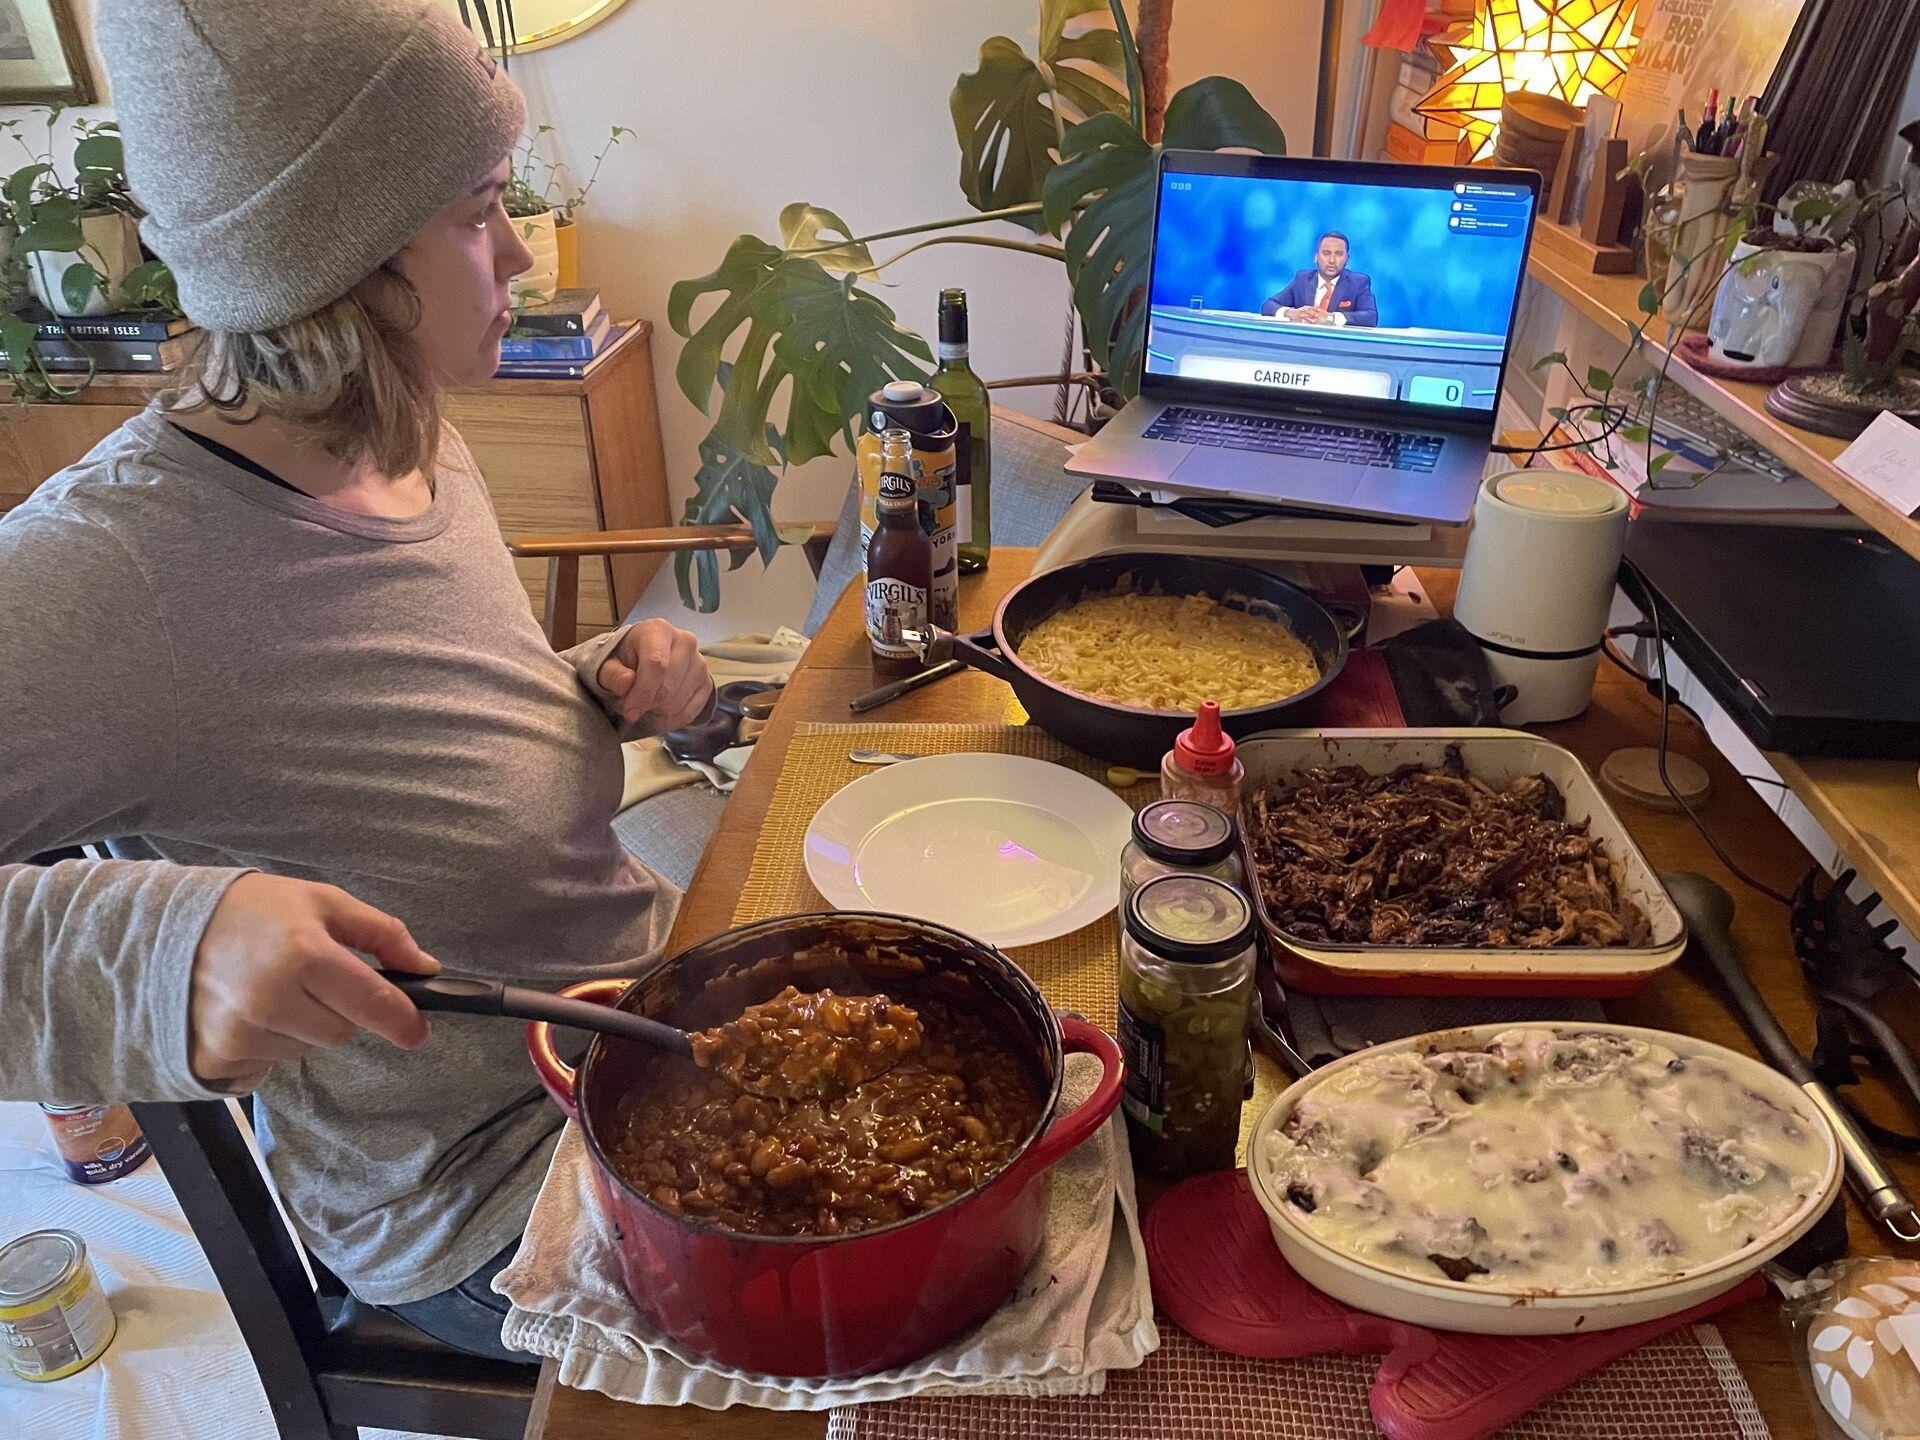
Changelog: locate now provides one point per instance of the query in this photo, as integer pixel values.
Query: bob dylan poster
(1688, 49)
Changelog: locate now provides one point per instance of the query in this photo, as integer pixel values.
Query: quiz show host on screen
(1329, 293)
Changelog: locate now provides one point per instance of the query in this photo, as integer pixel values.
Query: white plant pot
(544, 275)
(110, 242)
(1784, 309)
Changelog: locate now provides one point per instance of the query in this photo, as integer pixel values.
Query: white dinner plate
(1009, 850)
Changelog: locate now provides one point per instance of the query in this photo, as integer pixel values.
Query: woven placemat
(1683, 1386)
(1075, 972)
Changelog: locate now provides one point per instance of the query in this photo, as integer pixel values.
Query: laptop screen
(1399, 288)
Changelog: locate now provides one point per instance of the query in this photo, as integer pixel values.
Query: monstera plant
(785, 339)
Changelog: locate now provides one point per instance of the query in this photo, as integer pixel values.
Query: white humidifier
(1538, 583)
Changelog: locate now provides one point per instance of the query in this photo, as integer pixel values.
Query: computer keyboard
(1313, 439)
(1685, 424)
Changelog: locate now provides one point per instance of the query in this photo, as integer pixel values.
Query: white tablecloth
(178, 1367)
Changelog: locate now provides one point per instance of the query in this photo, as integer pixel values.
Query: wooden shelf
(1612, 303)
(1869, 808)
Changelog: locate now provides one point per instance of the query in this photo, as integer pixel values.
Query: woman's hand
(656, 673)
(274, 977)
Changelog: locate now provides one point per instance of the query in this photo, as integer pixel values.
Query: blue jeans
(468, 1317)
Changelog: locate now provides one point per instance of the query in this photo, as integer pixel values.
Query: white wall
(741, 106)
(744, 105)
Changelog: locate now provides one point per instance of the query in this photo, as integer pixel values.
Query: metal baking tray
(1496, 757)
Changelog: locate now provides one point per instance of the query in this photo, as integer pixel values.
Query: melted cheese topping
(1550, 1160)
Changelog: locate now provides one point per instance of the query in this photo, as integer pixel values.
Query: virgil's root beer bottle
(899, 563)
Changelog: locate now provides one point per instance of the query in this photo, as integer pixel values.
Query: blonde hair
(350, 374)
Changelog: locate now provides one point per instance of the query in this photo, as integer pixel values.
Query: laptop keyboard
(1312, 439)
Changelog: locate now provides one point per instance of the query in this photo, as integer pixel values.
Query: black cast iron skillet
(1131, 734)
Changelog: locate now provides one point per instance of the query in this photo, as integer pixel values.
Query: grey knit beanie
(285, 149)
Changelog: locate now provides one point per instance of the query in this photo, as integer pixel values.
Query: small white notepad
(1886, 460)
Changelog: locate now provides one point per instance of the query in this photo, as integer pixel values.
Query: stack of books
(111, 342)
(558, 338)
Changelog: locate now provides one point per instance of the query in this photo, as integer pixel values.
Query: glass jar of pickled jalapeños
(1186, 999)
(1179, 836)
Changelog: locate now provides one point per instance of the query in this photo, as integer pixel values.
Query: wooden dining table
(1683, 998)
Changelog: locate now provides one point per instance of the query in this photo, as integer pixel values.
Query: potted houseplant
(80, 234)
(1784, 293)
(544, 202)
(69, 247)
(566, 214)
(786, 339)
(527, 203)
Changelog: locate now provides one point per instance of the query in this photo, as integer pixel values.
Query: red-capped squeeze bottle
(1202, 764)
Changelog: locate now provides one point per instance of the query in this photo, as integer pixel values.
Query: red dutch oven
(827, 1305)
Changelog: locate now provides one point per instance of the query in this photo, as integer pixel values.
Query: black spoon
(467, 995)
(1708, 910)
(470, 995)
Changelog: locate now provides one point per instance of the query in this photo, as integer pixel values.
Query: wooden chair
(563, 554)
(1031, 490)
(328, 1363)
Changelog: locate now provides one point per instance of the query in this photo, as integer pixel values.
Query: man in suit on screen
(1329, 293)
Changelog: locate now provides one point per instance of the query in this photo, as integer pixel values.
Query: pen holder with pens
(1697, 231)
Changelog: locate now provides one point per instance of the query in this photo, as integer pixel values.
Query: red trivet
(1218, 1275)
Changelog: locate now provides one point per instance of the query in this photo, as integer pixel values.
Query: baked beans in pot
(871, 1297)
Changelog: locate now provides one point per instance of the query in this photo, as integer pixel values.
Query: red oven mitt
(1218, 1275)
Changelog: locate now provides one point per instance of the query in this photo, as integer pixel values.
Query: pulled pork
(1434, 857)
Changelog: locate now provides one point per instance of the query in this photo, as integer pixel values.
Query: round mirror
(536, 24)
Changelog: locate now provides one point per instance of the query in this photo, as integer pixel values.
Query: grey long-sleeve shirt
(245, 678)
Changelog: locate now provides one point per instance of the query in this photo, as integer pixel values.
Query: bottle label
(963, 484)
(893, 606)
(933, 472)
(937, 510)
(950, 349)
(1143, 1044)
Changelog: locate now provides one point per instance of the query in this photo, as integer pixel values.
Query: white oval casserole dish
(1443, 1304)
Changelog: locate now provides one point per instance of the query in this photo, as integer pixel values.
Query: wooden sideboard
(559, 456)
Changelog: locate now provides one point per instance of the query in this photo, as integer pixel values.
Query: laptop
(1330, 334)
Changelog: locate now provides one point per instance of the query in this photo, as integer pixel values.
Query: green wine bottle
(966, 395)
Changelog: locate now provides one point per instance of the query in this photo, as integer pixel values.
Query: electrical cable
(1552, 430)
(1666, 710)
(1618, 412)
(1620, 662)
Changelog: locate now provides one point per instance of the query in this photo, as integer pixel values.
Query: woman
(269, 628)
